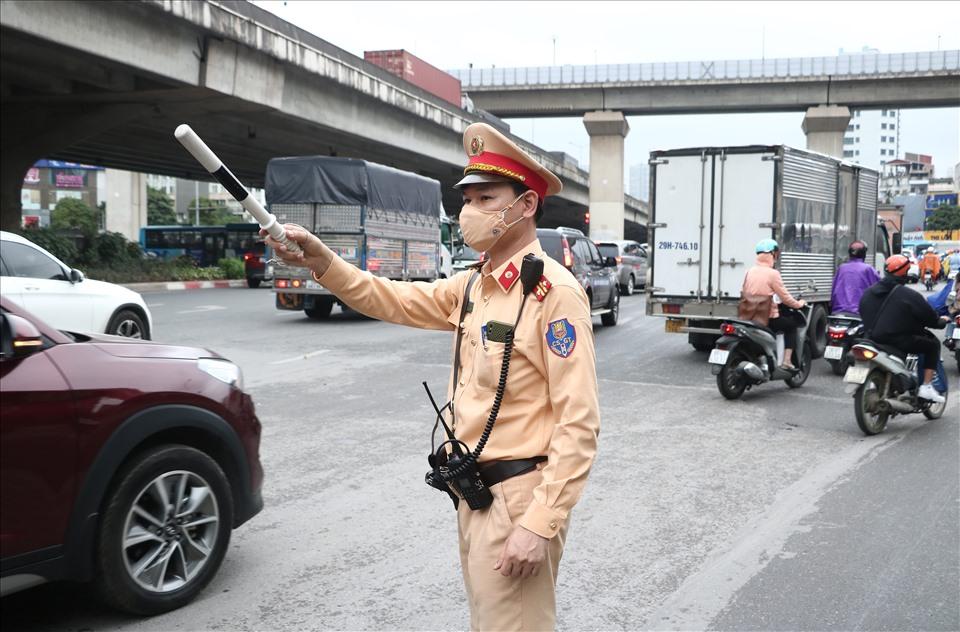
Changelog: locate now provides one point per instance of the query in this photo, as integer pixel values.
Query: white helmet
(930, 249)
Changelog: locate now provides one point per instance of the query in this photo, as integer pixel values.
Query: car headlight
(224, 370)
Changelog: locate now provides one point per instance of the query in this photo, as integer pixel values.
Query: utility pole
(554, 50)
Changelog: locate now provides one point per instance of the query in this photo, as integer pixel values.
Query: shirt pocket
(489, 361)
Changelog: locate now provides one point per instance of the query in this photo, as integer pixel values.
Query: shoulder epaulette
(542, 288)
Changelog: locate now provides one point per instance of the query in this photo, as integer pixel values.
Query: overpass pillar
(607, 131)
(824, 126)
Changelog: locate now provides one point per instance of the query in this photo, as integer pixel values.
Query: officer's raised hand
(314, 254)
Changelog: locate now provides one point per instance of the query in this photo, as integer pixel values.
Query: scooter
(843, 331)
(884, 382)
(952, 340)
(928, 280)
(748, 354)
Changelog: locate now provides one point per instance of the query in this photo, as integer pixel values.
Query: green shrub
(112, 248)
(232, 268)
(61, 247)
(74, 213)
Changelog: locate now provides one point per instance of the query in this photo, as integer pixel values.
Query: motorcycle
(843, 331)
(952, 340)
(928, 280)
(884, 382)
(748, 354)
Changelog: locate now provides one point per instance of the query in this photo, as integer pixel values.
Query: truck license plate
(856, 374)
(833, 353)
(719, 356)
(674, 326)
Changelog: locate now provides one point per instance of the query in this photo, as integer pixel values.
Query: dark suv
(124, 462)
(597, 274)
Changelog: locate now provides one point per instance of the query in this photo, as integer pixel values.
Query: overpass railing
(856, 65)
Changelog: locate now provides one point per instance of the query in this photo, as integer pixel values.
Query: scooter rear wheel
(871, 416)
(836, 366)
(806, 362)
(731, 384)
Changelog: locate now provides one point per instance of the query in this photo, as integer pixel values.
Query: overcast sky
(456, 34)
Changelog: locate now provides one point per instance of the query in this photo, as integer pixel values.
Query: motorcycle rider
(930, 261)
(852, 280)
(953, 261)
(899, 317)
(764, 279)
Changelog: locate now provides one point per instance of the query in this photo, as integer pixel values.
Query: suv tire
(150, 559)
(630, 287)
(610, 318)
(129, 324)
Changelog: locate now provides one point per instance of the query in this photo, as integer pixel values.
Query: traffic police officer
(510, 551)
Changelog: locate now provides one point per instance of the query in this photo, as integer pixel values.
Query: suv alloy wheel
(165, 530)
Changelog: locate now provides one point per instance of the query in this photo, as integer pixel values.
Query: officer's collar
(507, 274)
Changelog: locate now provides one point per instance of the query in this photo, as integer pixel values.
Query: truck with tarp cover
(711, 205)
(380, 219)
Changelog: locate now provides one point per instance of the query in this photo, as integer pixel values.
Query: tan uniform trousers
(500, 603)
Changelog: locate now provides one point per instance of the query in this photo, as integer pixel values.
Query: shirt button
(553, 525)
(486, 298)
(461, 382)
(473, 343)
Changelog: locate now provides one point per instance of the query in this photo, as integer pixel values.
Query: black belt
(494, 472)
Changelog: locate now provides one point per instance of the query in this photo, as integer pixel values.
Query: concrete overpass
(823, 87)
(107, 82)
(860, 81)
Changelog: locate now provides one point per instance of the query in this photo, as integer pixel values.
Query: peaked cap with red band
(494, 158)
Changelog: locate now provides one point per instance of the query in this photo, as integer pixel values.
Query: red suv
(124, 462)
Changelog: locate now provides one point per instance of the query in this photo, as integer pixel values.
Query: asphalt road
(773, 512)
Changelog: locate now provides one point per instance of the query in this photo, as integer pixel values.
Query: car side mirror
(76, 276)
(24, 338)
(609, 262)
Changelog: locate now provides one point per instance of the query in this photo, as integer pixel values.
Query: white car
(61, 296)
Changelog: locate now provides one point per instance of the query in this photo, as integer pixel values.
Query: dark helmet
(857, 250)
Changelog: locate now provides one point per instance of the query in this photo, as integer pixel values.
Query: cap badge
(476, 146)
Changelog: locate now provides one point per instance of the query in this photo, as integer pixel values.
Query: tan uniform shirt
(550, 406)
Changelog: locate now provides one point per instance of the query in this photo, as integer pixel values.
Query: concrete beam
(824, 126)
(607, 131)
(936, 90)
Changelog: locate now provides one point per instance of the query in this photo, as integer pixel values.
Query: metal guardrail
(856, 65)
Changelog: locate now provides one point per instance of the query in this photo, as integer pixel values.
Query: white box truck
(711, 205)
(380, 219)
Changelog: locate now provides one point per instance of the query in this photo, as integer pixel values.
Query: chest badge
(561, 337)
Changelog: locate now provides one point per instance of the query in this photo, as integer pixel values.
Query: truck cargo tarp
(349, 181)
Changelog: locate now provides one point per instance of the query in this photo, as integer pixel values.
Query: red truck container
(418, 72)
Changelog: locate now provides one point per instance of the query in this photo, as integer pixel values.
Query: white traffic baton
(199, 150)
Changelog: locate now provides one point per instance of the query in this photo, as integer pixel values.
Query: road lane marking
(707, 592)
(199, 309)
(304, 356)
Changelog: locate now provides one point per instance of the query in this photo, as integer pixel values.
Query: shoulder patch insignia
(542, 288)
(561, 337)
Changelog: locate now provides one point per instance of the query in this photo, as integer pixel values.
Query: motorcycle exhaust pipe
(752, 371)
(898, 405)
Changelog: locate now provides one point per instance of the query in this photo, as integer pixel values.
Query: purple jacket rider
(852, 280)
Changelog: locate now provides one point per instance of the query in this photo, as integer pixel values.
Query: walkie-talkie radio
(457, 468)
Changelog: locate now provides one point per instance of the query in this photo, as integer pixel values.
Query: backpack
(755, 307)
